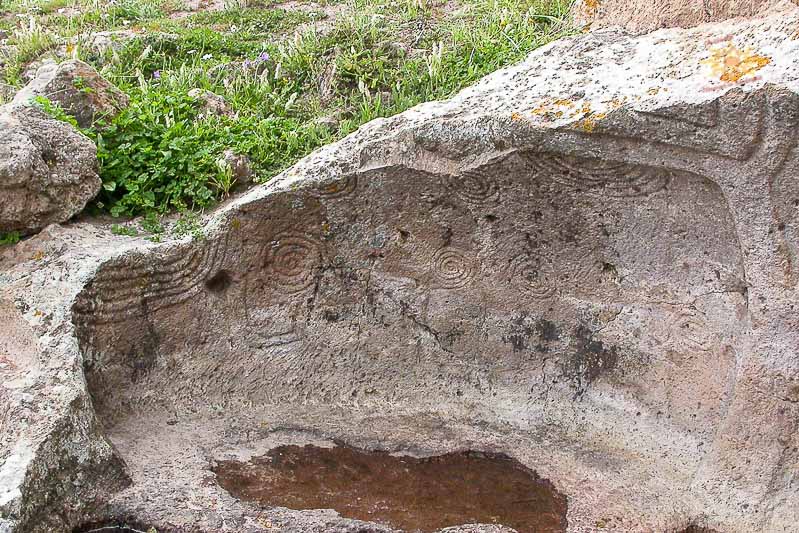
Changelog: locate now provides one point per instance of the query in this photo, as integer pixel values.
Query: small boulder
(211, 103)
(241, 167)
(78, 88)
(48, 171)
(103, 42)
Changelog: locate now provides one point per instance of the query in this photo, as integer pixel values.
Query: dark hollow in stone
(220, 282)
(413, 494)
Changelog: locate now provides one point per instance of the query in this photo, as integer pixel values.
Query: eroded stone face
(78, 88)
(586, 262)
(48, 171)
(641, 16)
(492, 281)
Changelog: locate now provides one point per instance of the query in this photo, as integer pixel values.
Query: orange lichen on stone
(731, 63)
(587, 125)
(515, 116)
(592, 5)
(550, 108)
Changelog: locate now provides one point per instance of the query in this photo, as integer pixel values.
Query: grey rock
(78, 88)
(641, 16)
(587, 261)
(241, 166)
(105, 43)
(211, 103)
(331, 122)
(48, 171)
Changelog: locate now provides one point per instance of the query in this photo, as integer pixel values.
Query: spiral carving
(686, 327)
(292, 261)
(689, 328)
(473, 187)
(603, 177)
(537, 278)
(453, 269)
(337, 188)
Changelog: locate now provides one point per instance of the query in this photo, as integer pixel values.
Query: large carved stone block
(587, 261)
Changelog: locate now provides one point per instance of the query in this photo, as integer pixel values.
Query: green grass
(378, 58)
(9, 238)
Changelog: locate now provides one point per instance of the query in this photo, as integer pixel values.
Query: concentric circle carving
(473, 187)
(453, 269)
(536, 277)
(337, 188)
(603, 177)
(292, 261)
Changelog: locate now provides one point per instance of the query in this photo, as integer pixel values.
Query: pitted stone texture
(587, 261)
(55, 461)
(642, 16)
(48, 171)
(78, 88)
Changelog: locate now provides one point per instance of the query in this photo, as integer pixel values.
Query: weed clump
(288, 93)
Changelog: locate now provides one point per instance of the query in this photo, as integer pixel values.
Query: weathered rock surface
(641, 16)
(78, 88)
(588, 261)
(48, 171)
(210, 103)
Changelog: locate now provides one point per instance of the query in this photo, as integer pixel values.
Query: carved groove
(338, 188)
(473, 187)
(292, 261)
(453, 270)
(119, 289)
(596, 176)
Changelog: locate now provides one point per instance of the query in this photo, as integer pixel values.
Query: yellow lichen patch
(591, 6)
(731, 63)
(515, 116)
(38, 255)
(653, 91)
(553, 109)
(587, 125)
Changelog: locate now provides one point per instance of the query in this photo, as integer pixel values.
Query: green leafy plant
(188, 224)
(9, 238)
(53, 109)
(124, 229)
(163, 152)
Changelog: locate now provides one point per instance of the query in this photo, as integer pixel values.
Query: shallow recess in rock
(113, 528)
(414, 494)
